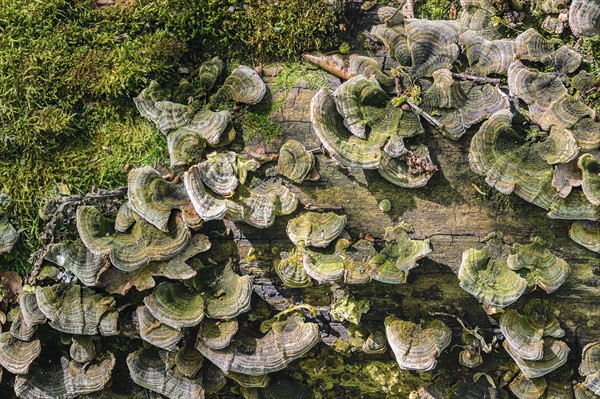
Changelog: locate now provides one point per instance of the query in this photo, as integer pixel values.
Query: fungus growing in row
(417, 347)
(524, 334)
(286, 341)
(82, 349)
(131, 251)
(149, 369)
(156, 333)
(590, 171)
(532, 46)
(73, 309)
(487, 56)
(117, 281)
(65, 379)
(188, 360)
(75, 257)
(8, 235)
(294, 162)
(484, 274)
(315, 229)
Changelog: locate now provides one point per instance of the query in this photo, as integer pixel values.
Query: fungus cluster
(497, 275)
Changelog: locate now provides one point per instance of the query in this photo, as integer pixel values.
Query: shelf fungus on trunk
(484, 274)
(528, 388)
(217, 334)
(590, 367)
(584, 18)
(223, 171)
(117, 281)
(75, 257)
(188, 360)
(154, 332)
(541, 266)
(417, 347)
(230, 296)
(290, 269)
(8, 235)
(525, 334)
(82, 349)
(532, 46)
(153, 198)
(555, 354)
(73, 309)
(30, 311)
(586, 234)
(485, 56)
(149, 369)
(315, 229)
(66, 379)
(294, 161)
(461, 104)
(130, 251)
(590, 171)
(583, 392)
(399, 255)
(286, 341)
(17, 355)
(244, 85)
(175, 305)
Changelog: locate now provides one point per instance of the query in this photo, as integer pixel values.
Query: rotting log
(452, 213)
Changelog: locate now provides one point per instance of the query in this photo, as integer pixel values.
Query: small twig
(479, 79)
(419, 111)
(59, 215)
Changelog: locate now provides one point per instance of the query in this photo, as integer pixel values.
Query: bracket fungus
(590, 367)
(131, 251)
(555, 355)
(417, 347)
(399, 255)
(17, 355)
(65, 380)
(590, 171)
(528, 388)
(231, 295)
(73, 309)
(487, 56)
(153, 198)
(8, 235)
(544, 269)
(484, 274)
(290, 270)
(461, 104)
(154, 332)
(75, 257)
(294, 161)
(524, 334)
(286, 341)
(315, 229)
(586, 234)
(175, 305)
(217, 334)
(532, 46)
(584, 17)
(149, 369)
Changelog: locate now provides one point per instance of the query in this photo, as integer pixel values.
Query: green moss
(69, 70)
(258, 124)
(433, 9)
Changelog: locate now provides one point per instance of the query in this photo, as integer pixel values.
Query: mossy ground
(69, 70)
